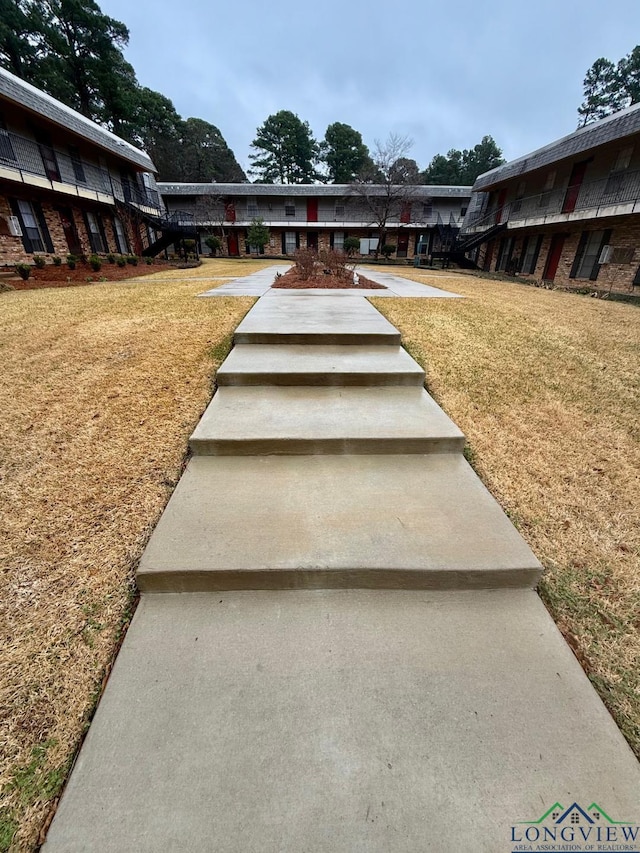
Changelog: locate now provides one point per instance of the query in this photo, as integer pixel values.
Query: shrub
(122, 262)
(39, 261)
(72, 261)
(387, 250)
(148, 261)
(57, 261)
(23, 270)
(305, 260)
(189, 246)
(214, 243)
(95, 263)
(133, 260)
(334, 262)
(351, 245)
(111, 258)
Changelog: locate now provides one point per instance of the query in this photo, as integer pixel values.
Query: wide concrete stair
(338, 646)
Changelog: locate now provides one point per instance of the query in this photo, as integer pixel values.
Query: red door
(403, 246)
(232, 242)
(573, 190)
(312, 210)
(553, 258)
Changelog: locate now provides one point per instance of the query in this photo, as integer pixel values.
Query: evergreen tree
(344, 152)
(603, 92)
(461, 168)
(286, 152)
(204, 155)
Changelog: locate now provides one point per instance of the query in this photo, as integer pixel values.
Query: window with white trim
(121, 237)
(339, 211)
(252, 208)
(289, 207)
(290, 242)
(95, 233)
(338, 241)
(31, 226)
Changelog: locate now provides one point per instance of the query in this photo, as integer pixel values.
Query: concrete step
(266, 420)
(271, 364)
(400, 521)
(315, 320)
(339, 721)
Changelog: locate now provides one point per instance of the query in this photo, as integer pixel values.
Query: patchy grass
(546, 387)
(99, 390)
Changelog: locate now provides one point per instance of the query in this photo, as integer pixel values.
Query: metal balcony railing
(329, 219)
(29, 157)
(616, 189)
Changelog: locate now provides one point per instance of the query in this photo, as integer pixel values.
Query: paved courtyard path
(338, 646)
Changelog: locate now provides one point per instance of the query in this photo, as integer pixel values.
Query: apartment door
(70, 231)
(232, 242)
(403, 246)
(312, 240)
(312, 210)
(573, 190)
(553, 258)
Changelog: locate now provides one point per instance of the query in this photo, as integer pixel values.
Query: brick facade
(616, 277)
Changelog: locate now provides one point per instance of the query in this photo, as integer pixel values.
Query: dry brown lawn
(546, 386)
(99, 390)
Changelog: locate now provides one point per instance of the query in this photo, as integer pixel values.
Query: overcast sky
(443, 73)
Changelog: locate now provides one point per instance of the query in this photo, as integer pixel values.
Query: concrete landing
(340, 721)
(315, 320)
(255, 284)
(265, 522)
(266, 420)
(296, 364)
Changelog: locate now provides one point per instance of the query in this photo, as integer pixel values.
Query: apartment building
(566, 213)
(67, 185)
(419, 219)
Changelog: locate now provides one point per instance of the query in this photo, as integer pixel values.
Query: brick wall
(616, 277)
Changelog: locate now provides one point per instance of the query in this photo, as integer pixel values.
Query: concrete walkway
(260, 284)
(338, 646)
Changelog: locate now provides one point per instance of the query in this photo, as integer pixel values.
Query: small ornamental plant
(121, 262)
(133, 260)
(214, 243)
(39, 261)
(111, 258)
(23, 270)
(95, 263)
(387, 250)
(351, 245)
(148, 261)
(72, 260)
(57, 260)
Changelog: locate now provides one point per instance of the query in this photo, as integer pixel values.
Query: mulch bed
(62, 276)
(292, 280)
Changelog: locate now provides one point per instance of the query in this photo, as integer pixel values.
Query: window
(585, 264)
(95, 232)
(121, 239)
(530, 253)
(76, 162)
(290, 242)
(504, 253)
(427, 209)
(545, 195)
(48, 155)
(623, 159)
(517, 202)
(35, 235)
(339, 212)
(338, 241)
(289, 207)
(252, 208)
(7, 154)
(368, 245)
(463, 212)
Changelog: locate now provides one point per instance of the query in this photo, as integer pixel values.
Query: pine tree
(344, 152)
(604, 93)
(286, 152)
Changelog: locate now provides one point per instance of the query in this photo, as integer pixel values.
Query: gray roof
(20, 92)
(288, 190)
(614, 127)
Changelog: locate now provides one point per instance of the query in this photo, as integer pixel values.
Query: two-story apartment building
(567, 213)
(67, 185)
(420, 218)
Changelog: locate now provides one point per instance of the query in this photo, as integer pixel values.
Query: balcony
(349, 218)
(40, 165)
(615, 195)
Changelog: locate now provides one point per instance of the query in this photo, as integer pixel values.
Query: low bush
(148, 261)
(57, 261)
(133, 260)
(111, 258)
(95, 263)
(23, 270)
(305, 261)
(72, 260)
(351, 245)
(387, 250)
(335, 263)
(121, 262)
(39, 261)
